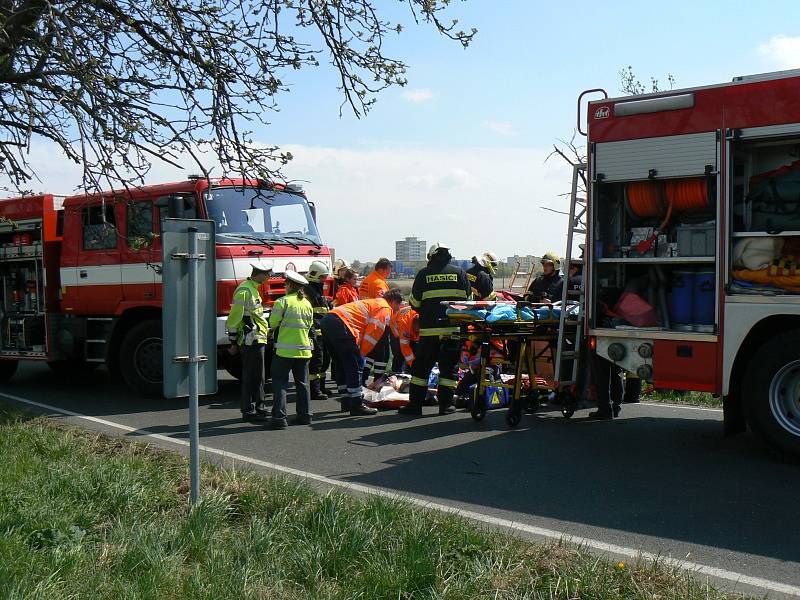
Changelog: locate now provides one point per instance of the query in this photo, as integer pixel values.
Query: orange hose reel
(653, 199)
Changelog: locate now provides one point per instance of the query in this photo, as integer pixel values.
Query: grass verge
(83, 515)
(688, 398)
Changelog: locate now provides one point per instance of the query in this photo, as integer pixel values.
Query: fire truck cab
(80, 277)
(692, 280)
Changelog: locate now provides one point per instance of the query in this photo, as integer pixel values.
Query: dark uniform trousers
(252, 390)
(428, 351)
(348, 364)
(610, 391)
(320, 361)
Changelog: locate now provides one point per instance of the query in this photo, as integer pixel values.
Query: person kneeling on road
(351, 332)
(293, 317)
(247, 331)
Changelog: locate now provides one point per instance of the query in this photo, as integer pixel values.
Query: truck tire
(140, 356)
(7, 369)
(772, 393)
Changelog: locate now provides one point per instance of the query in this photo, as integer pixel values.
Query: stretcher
(529, 332)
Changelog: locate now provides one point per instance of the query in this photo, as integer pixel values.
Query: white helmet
(339, 265)
(317, 271)
(436, 247)
(488, 259)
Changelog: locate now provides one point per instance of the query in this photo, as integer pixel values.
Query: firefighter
(293, 317)
(404, 327)
(351, 332)
(547, 286)
(375, 286)
(436, 282)
(320, 358)
(247, 331)
(481, 276)
(347, 291)
(340, 266)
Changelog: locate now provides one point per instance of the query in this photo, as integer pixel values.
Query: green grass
(688, 398)
(86, 516)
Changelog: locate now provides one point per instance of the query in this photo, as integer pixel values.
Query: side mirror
(313, 208)
(174, 205)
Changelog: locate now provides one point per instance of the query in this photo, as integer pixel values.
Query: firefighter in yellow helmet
(481, 276)
(547, 286)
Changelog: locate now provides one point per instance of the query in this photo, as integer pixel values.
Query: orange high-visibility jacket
(346, 293)
(366, 320)
(402, 327)
(373, 286)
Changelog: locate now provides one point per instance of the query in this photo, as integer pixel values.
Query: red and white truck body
(729, 137)
(81, 276)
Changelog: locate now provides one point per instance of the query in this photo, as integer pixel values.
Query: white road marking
(739, 578)
(681, 406)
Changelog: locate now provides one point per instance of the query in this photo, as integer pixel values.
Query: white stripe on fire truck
(235, 269)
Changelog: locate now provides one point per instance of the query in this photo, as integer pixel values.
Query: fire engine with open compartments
(691, 272)
(80, 277)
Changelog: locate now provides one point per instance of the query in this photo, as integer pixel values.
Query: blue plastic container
(682, 307)
(703, 310)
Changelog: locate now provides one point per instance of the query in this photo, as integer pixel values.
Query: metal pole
(194, 366)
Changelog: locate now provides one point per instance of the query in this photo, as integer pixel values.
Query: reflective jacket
(346, 293)
(366, 320)
(481, 282)
(246, 318)
(320, 304)
(373, 286)
(437, 282)
(402, 327)
(293, 317)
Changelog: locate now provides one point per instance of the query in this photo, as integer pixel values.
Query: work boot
(278, 424)
(447, 409)
(302, 420)
(254, 416)
(317, 391)
(414, 410)
(600, 415)
(362, 410)
(616, 409)
(430, 399)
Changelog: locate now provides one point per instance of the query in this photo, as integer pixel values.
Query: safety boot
(317, 391)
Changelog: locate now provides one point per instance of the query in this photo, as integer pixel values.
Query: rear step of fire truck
(570, 330)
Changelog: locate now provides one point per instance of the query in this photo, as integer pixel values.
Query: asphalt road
(660, 479)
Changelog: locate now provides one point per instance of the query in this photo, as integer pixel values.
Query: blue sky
(458, 156)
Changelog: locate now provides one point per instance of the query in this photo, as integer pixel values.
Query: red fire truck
(80, 277)
(691, 278)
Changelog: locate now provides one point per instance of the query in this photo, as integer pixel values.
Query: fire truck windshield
(271, 215)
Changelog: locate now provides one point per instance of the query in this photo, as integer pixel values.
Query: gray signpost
(189, 321)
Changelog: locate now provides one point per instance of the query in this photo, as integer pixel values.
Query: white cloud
(781, 52)
(473, 198)
(419, 96)
(500, 127)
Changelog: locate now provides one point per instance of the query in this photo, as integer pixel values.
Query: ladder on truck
(524, 276)
(570, 329)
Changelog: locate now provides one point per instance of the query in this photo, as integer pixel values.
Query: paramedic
(247, 332)
(346, 291)
(405, 335)
(547, 286)
(481, 276)
(320, 357)
(375, 286)
(437, 282)
(352, 331)
(293, 317)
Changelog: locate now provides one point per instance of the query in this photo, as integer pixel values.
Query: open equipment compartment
(654, 240)
(765, 211)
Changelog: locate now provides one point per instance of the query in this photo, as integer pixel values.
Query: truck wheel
(772, 393)
(140, 356)
(7, 369)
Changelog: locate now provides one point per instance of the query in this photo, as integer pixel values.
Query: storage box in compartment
(696, 240)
